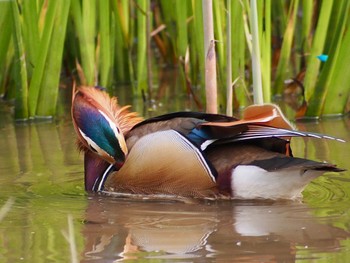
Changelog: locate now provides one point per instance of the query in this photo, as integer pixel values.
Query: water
(52, 219)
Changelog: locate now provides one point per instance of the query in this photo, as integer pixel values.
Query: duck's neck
(94, 169)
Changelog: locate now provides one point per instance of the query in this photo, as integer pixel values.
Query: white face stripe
(117, 133)
(92, 144)
(111, 124)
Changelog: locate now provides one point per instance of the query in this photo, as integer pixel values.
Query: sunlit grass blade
(105, 58)
(89, 26)
(5, 40)
(39, 69)
(229, 91)
(31, 34)
(84, 15)
(50, 82)
(149, 28)
(21, 102)
(141, 63)
(219, 11)
(306, 25)
(256, 55)
(266, 51)
(181, 27)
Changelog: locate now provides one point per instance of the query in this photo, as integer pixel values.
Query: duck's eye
(92, 148)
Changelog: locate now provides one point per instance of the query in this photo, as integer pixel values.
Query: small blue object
(323, 57)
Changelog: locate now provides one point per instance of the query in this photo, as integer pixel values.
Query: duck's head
(95, 122)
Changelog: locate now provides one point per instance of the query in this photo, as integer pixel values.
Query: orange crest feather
(122, 117)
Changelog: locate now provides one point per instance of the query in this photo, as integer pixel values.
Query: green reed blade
(265, 47)
(339, 87)
(6, 29)
(256, 55)
(307, 7)
(50, 82)
(130, 48)
(302, 38)
(280, 16)
(219, 11)
(335, 91)
(238, 52)
(31, 34)
(148, 49)
(181, 27)
(105, 58)
(229, 91)
(266, 56)
(284, 60)
(196, 40)
(112, 47)
(121, 55)
(169, 19)
(219, 27)
(89, 26)
(39, 68)
(141, 63)
(21, 103)
(120, 33)
(336, 22)
(122, 8)
(84, 16)
(75, 12)
(318, 42)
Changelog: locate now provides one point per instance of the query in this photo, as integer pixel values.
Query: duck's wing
(258, 122)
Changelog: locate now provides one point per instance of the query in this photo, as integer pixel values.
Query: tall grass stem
(210, 57)
(257, 81)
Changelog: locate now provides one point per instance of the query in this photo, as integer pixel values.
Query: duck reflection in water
(130, 229)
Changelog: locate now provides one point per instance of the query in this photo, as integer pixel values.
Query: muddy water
(51, 219)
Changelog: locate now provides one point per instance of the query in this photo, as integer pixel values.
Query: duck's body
(192, 154)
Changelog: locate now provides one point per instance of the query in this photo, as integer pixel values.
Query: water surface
(52, 219)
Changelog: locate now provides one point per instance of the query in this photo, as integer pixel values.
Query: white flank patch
(253, 182)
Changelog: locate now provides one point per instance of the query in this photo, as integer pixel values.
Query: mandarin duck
(190, 154)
